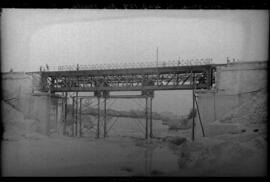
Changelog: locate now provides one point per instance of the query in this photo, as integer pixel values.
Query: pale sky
(31, 38)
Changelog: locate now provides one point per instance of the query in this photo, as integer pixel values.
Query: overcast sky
(31, 38)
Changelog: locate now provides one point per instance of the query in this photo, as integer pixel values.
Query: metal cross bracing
(75, 126)
(133, 79)
(146, 80)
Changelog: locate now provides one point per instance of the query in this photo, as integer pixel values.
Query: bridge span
(103, 81)
(130, 79)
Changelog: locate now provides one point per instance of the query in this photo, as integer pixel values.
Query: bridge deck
(131, 79)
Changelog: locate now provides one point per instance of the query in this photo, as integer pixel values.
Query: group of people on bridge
(129, 65)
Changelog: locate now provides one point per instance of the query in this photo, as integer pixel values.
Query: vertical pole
(48, 115)
(56, 115)
(104, 125)
(72, 125)
(65, 117)
(146, 117)
(76, 115)
(208, 79)
(62, 114)
(193, 119)
(157, 68)
(199, 117)
(80, 117)
(151, 123)
(215, 115)
(98, 116)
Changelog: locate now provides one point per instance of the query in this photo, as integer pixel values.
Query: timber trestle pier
(102, 82)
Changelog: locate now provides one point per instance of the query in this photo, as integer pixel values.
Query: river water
(124, 152)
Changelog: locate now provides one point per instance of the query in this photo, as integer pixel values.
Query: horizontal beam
(91, 96)
(126, 96)
(131, 88)
(129, 71)
(115, 96)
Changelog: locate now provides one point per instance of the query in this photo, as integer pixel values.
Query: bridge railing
(152, 64)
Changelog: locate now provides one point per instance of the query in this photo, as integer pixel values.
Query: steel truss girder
(131, 81)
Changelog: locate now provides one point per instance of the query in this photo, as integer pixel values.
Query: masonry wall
(235, 83)
(18, 90)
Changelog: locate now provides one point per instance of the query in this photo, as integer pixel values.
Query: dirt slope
(236, 145)
(16, 125)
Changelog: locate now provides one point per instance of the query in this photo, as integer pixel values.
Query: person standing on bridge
(164, 64)
(178, 62)
(228, 61)
(47, 67)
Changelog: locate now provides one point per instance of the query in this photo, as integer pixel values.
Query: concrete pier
(235, 83)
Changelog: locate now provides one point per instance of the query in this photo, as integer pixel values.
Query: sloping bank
(240, 149)
(235, 119)
(17, 125)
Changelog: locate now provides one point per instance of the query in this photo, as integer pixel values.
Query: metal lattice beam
(166, 78)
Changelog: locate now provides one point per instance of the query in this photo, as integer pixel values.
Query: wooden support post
(80, 117)
(72, 125)
(48, 115)
(105, 123)
(56, 116)
(215, 115)
(65, 116)
(208, 79)
(151, 122)
(62, 115)
(146, 117)
(98, 117)
(193, 117)
(199, 117)
(76, 115)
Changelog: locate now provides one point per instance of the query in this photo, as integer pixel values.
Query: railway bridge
(104, 80)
